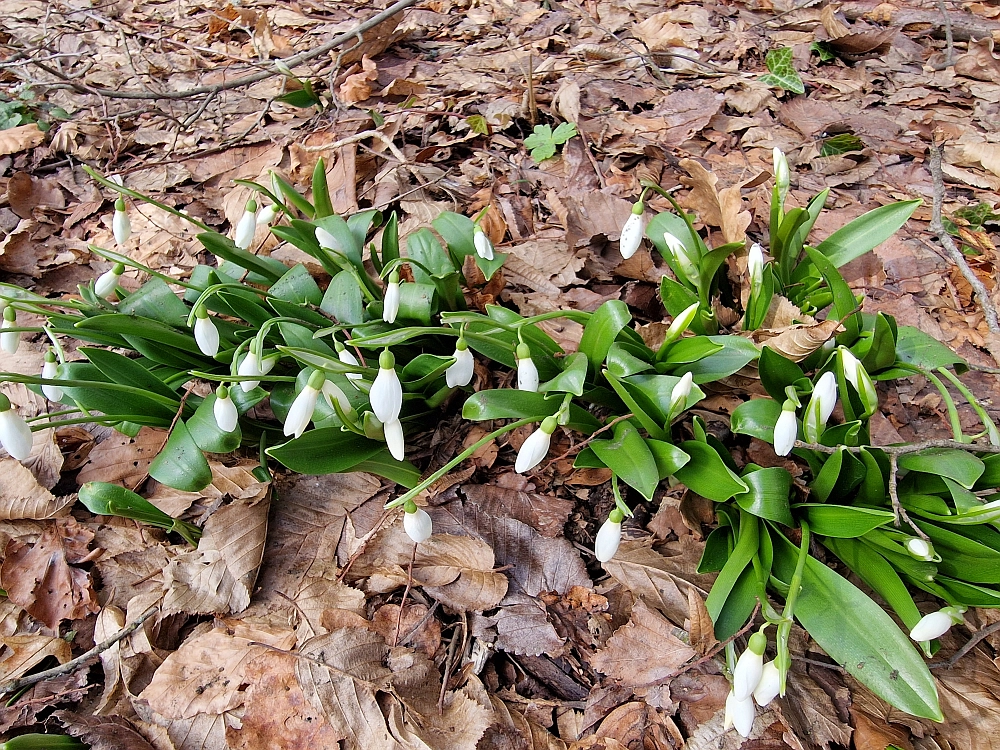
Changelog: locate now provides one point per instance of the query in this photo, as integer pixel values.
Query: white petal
(10, 340)
(226, 415)
(460, 374)
(245, 230)
(532, 451)
(418, 525)
(332, 392)
(609, 536)
(769, 686)
(631, 236)
(266, 216)
(741, 714)
(785, 431)
(50, 371)
(301, 411)
(326, 240)
(826, 388)
(755, 261)
(206, 335)
(15, 435)
(106, 284)
(121, 227)
(349, 359)
(386, 395)
(747, 674)
(394, 440)
(390, 303)
(931, 626)
(680, 392)
(527, 375)
(250, 365)
(483, 245)
(919, 548)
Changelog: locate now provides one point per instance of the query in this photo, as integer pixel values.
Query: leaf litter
(304, 618)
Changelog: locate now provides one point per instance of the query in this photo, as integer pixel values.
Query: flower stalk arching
(989, 425)
(783, 660)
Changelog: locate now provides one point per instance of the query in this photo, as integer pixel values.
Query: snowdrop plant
(10, 340)
(50, 371)
(416, 522)
(15, 435)
(107, 282)
(121, 227)
(246, 227)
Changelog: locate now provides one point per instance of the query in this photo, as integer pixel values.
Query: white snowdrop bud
(15, 435)
(108, 281)
(393, 432)
(460, 374)
(416, 522)
(680, 324)
(686, 262)
(857, 376)
(609, 536)
(782, 177)
(920, 549)
(527, 373)
(300, 413)
(206, 335)
(739, 714)
(749, 667)
(326, 240)
(936, 624)
(121, 227)
(246, 227)
(632, 229)
(250, 366)
(226, 415)
(785, 430)
(769, 686)
(679, 395)
(390, 301)
(535, 447)
(484, 248)
(50, 371)
(266, 215)
(755, 265)
(9, 340)
(386, 394)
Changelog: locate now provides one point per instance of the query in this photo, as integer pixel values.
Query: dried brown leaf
(459, 726)
(21, 138)
(20, 653)
(700, 626)
(461, 571)
(545, 513)
(648, 575)
(121, 459)
(103, 732)
(21, 496)
(799, 341)
(644, 651)
(640, 725)
(523, 627)
(358, 86)
(719, 208)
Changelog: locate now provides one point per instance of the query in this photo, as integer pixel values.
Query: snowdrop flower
(390, 301)
(527, 373)
(326, 240)
(680, 324)
(416, 522)
(108, 281)
(393, 432)
(856, 374)
(15, 435)
(536, 447)
(739, 714)
(332, 393)
(936, 624)
(300, 413)
(632, 229)
(50, 371)
(484, 248)
(121, 227)
(206, 335)
(920, 549)
(347, 358)
(785, 430)
(609, 536)
(252, 365)
(782, 177)
(9, 340)
(755, 266)
(247, 226)
(769, 686)
(460, 374)
(226, 415)
(682, 256)
(824, 398)
(266, 215)
(749, 667)
(386, 395)
(679, 395)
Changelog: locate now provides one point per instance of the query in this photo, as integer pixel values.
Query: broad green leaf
(321, 190)
(120, 369)
(417, 302)
(691, 349)
(844, 303)
(144, 328)
(654, 391)
(181, 464)
(882, 350)
(571, 379)
(223, 247)
(958, 465)
(382, 463)
(298, 286)
(643, 409)
(206, 432)
(512, 404)
(157, 301)
(601, 331)
(783, 74)
(843, 521)
(325, 451)
(348, 245)
(139, 406)
(756, 418)
(668, 457)
(107, 499)
(343, 299)
(621, 362)
(963, 557)
(858, 634)
(866, 232)
(777, 373)
(627, 455)
(970, 594)
(768, 494)
(747, 543)
(916, 348)
(736, 353)
(707, 474)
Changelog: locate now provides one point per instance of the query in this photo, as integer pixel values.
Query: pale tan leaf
(121, 459)
(640, 725)
(475, 587)
(717, 208)
(110, 621)
(458, 727)
(21, 138)
(19, 654)
(235, 481)
(799, 341)
(543, 265)
(644, 651)
(648, 575)
(321, 594)
(986, 155)
(21, 496)
(700, 626)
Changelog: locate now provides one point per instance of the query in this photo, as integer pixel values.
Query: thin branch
(74, 664)
(584, 443)
(978, 636)
(938, 228)
(272, 70)
(902, 450)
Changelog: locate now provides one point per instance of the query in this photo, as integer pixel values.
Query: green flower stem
(988, 423)
(401, 500)
(469, 317)
(25, 329)
(784, 658)
(109, 419)
(14, 377)
(144, 198)
(268, 325)
(127, 261)
(217, 378)
(51, 414)
(210, 290)
(953, 418)
(35, 303)
(619, 503)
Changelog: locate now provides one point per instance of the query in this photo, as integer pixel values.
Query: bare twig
(74, 664)
(902, 450)
(978, 636)
(938, 228)
(949, 55)
(584, 443)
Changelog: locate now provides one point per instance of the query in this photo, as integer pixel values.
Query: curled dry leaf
(649, 575)
(21, 496)
(22, 653)
(721, 208)
(21, 138)
(459, 572)
(103, 732)
(798, 342)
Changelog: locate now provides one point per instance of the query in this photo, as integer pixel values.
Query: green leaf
(321, 190)
(601, 331)
(747, 543)
(181, 464)
(424, 248)
(477, 124)
(140, 407)
(842, 521)
(963, 557)
(668, 457)
(563, 132)
(844, 143)
(736, 353)
(223, 247)
(866, 232)
(344, 300)
(543, 141)
(120, 369)
(768, 495)
(777, 373)
(958, 465)
(382, 463)
(327, 450)
(297, 286)
(691, 349)
(707, 474)
(513, 404)
(205, 430)
(301, 98)
(858, 634)
(157, 301)
(916, 348)
(621, 362)
(882, 349)
(844, 303)
(783, 74)
(571, 379)
(646, 412)
(107, 499)
(653, 393)
(756, 418)
(841, 473)
(628, 456)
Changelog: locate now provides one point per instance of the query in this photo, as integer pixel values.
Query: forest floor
(428, 112)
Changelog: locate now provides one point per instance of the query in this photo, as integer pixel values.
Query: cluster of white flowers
(753, 682)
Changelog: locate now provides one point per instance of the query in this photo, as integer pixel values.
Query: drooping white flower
(857, 376)
(300, 413)
(348, 358)
(679, 395)
(386, 395)
(50, 371)
(460, 373)
(246, 227)
(416, 522)
(535, 447)
(632, 230)
(769, 686)
(266, 215)
(920, 549)
(333, 393)
(609, 536)
(326, 240)
(785, 430)
(749, 667)
(680, 324)
(394, 439)
(206, 335)
(739, 714)
(390, 301)
(250, 366)
(755, 266)
(484, 248)
(936, 624)
(527, 373)
(15, 435)
(121, 227)
(226, 415)
(108, 281)
(820, 407)
(9, 340)
(686, 262)
(782, 177)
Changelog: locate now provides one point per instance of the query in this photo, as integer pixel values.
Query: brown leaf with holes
(40, 577)
(21, 496)
(644, 651)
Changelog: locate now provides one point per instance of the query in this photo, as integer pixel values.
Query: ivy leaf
(543, 140)
(478, 124)
(783, 74)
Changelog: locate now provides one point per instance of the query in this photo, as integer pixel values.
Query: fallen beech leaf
(720, 208)
(986, 155)
(358, 86)
(523, 627)
(863, 45)
(644, 651)
(121, 459)
(40, 577)
(21, 653)
(463, 571)
(103, 732)
(798, 342)
(21, 138)
(700, 625)
(22, 497)
(640, 725)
